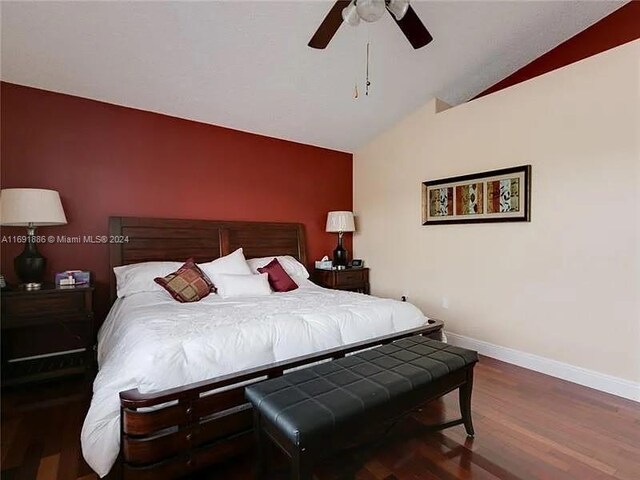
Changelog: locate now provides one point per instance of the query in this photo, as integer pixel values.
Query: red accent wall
(621, 27)
(109, 160)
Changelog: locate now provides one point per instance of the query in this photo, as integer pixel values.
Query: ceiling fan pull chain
(368, 83)
(356, 92)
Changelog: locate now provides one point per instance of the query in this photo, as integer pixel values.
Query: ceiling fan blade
(414, 29)
(329, 25)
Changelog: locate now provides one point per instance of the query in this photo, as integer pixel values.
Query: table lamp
(340, 222)
(31, 208)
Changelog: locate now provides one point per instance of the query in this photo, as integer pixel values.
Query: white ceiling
(246, 65)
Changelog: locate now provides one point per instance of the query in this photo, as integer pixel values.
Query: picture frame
(494, 196)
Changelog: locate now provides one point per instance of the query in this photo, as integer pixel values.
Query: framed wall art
(497, 196)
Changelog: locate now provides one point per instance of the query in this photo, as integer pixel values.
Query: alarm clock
(357, 263)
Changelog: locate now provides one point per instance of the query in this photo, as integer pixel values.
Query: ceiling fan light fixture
(352, 11)
(398, 8)
(350, 14)
(370, 10)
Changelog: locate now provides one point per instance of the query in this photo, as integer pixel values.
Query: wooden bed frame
(175, 432)
(137, 240)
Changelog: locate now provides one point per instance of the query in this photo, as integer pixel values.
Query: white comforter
(152, 342)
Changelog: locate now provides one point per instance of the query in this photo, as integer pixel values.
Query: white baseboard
(589, 378)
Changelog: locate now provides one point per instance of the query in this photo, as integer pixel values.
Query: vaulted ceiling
(246, 65)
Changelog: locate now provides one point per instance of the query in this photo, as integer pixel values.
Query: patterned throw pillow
(187, 284)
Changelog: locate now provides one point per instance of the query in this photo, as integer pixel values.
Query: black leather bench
(303, 411)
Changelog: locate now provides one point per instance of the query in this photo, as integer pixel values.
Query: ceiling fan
(352, 11)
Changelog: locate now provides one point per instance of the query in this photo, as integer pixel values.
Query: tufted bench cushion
(305, 405)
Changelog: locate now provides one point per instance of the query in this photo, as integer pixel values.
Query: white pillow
(230, 286)
(234, 264)
(292, 266)
(138, 277)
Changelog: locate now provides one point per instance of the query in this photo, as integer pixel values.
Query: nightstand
(46, 333)
(352, 279)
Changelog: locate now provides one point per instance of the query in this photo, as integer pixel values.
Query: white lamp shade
(340, 222)
(350, 15)
(23, 206)
(370, 10)
(398, 8)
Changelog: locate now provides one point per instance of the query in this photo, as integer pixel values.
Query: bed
(168, 399)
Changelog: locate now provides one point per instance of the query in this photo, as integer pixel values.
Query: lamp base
(30, 265)
(340, 254)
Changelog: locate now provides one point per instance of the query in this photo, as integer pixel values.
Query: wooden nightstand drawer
(349, 278)
(354, 279)
(57, 335)
(45, 304)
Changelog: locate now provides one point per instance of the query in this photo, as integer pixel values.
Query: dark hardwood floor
(528, 426)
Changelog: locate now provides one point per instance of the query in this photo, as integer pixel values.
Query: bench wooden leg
(261, 446)
(301, 468)
(465, 403)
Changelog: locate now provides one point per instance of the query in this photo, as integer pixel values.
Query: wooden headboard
(139, 239)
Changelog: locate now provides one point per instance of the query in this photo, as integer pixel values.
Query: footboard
(174, 432)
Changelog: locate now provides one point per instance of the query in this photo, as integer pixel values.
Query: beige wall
(565, 286)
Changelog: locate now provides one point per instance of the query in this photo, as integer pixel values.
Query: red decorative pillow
(187, 284)
(279, 280)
